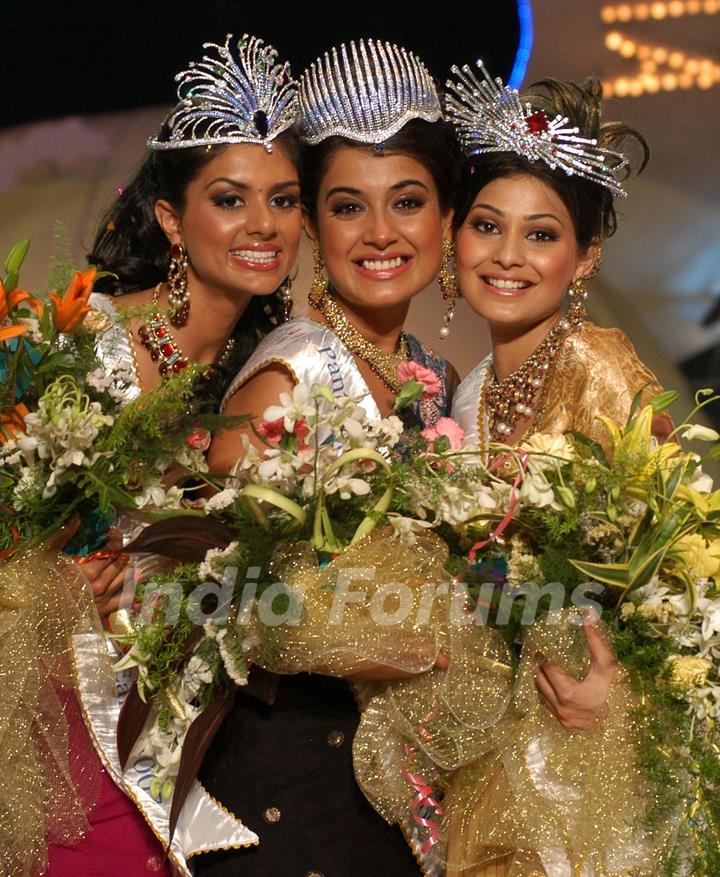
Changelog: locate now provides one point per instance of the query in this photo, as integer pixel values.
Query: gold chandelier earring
(318, 288)
(284, 292)
(177, 281)
(578, 292)
(448, 285)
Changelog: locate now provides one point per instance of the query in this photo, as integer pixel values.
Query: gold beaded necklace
(504, 403)
(384, 364)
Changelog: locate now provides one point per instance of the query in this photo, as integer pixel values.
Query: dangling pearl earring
(448, 286)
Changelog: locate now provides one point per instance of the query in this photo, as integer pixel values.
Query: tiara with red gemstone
(489, 116)
(222, 100)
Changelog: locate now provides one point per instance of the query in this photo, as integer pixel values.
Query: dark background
(65, 58)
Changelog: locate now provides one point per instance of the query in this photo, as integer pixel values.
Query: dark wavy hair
(589, 204)
(130, 244)
(433, 144)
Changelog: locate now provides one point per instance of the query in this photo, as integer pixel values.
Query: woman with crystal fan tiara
(378, 184)
(202, 240)
(537, 201)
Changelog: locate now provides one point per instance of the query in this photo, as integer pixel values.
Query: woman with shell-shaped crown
(378, 180)
(536, 202)
(201, 242)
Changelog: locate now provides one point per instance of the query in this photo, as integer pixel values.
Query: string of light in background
(659, 67)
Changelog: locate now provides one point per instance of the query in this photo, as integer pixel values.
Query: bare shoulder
(252, 398)
(260, 390)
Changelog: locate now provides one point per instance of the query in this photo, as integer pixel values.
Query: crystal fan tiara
(490, 117)
(365, 91)
(224, 101)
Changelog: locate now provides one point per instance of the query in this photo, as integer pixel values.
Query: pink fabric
(119, 842)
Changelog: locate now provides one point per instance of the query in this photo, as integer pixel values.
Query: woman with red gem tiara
(378, 183)
(536, 203)
(202, 242)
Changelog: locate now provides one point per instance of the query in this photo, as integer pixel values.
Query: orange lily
(72, 307)
(12, 332)
(12, 423)
(8, 301)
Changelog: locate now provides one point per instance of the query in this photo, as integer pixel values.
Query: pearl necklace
(504, 403)
(384, 364)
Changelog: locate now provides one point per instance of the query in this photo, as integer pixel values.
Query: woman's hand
(576, 704)
(371, 672)
(106, 570)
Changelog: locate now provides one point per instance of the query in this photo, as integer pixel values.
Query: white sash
(466, 402)
(203, 824)
(313, 355)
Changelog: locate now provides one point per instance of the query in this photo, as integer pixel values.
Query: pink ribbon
(423, 798)
(500, 529)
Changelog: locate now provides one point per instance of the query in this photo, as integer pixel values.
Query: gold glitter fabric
(402, 614)
(49, 777)
(546, 801)
(371, 604)
(596, 372)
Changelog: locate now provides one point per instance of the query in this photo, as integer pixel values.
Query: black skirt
(286, 771)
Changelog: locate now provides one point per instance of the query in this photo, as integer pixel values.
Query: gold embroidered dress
(596, 371)
(543, 801)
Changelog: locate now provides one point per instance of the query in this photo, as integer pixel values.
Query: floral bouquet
(77, 445)
(300, 564)
(71, 442)
(635, 534)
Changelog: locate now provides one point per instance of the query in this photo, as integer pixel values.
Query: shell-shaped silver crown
(223, 100)
(490, 117)
(365, 91)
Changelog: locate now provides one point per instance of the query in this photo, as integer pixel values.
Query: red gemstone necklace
(159, 341)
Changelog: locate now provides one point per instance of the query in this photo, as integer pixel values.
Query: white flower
(222, 500)
(29, 486)
(292, 407)
(348, 486)
(389, 430)
(196, 673)
(548, 451)
(155, 495)
(407, 529)
(537, 491)
(701, 481)
(706, 702)
(192, 459)
(710, 618)
(696, 432)
(216, 560)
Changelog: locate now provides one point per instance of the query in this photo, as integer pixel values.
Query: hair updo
(589, 204)
(433, 144)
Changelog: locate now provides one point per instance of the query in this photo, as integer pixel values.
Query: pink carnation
(448, 428)
(410, 370)
(272, 430)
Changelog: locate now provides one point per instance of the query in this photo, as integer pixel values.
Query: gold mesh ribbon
(429, 725)
(49, 774)
(375, 624)
(549, 801)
